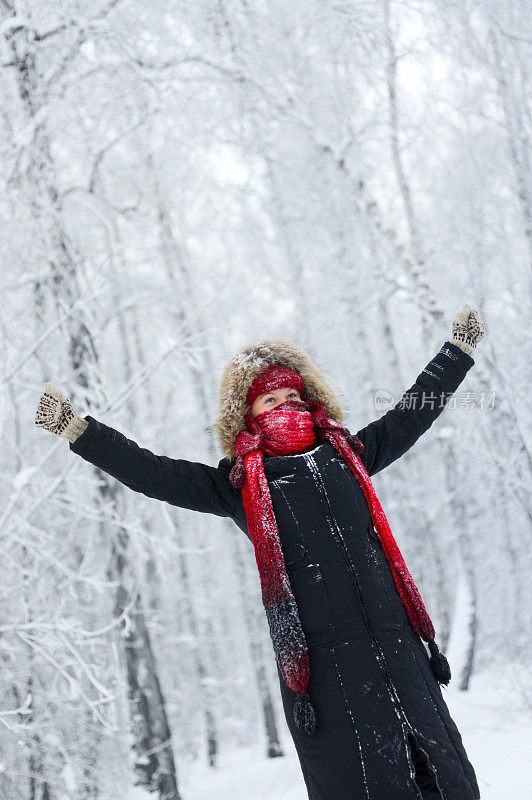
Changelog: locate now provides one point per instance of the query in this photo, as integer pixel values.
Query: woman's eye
(290, 394)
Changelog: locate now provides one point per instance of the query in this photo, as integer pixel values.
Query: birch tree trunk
(518, 138)
(417, 263)
(461, 523)
(152, 743)
(153, 762)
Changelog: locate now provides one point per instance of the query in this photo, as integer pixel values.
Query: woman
(360, 692)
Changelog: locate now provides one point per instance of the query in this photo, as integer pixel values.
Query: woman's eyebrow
(268, 394)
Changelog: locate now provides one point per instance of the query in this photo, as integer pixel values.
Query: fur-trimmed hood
(240, 372)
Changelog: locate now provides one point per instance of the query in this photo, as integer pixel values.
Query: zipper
(429, 762)
(403, 719)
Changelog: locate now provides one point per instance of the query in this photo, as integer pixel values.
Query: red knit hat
(275, 376)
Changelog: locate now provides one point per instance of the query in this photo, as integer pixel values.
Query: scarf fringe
(439, 664)
(304, 714)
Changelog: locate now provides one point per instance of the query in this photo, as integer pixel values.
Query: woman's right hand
(468, 329)
(55, 414)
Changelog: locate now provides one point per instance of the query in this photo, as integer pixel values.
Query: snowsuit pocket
(294, 555)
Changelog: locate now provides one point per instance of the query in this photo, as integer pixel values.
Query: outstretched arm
(388, 438)
(187, 484)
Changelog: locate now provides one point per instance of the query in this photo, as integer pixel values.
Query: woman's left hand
(468, 329)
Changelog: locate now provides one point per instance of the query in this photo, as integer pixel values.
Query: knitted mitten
(468, 329)
(55, 414)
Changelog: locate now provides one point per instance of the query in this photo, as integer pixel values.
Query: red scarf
(293, 427)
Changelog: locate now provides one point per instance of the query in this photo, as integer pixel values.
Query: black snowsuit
(370, 678)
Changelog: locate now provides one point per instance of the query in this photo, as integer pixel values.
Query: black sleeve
(387, 438)
(188, 484)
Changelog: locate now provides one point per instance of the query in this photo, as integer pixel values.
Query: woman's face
(265, 401)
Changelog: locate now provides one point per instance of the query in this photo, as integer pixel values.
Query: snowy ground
(493, 718)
